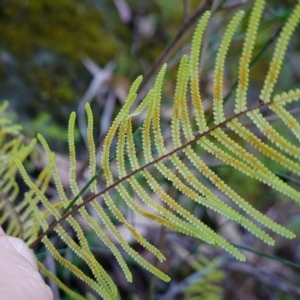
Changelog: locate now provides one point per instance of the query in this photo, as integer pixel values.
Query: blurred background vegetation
(43, 45)
(57, 55)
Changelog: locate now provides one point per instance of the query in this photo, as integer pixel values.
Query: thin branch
(173, 45)
(185, 9)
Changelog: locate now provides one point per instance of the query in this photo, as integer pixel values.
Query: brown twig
(176, 41)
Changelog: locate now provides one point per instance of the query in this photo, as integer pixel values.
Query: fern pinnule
(116, 212)
(112, 130)
(103, 280)
(243, 78)
(130, 146)
(36, 191)
(127, 198)
(142, 106)
(155, 113)
(61, 232)
(31, 215)
(121, 142)
(285, 98)
(7, 127)
(194, 72)
(59, 283)
(156, 188)
(52, 162)
(216, 205)
(55, 213)
(180, 113)
(91, 147)
(219, 116)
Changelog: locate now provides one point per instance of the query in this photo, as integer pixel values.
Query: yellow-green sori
(35, 214)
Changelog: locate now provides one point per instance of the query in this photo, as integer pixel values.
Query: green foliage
(59, 25)
(44, 42)
(208, 287)
(51, 131)
(12, 147)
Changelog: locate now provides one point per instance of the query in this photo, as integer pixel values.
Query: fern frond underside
(135, 180)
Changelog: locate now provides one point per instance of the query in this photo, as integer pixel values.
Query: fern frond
(133, 177)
